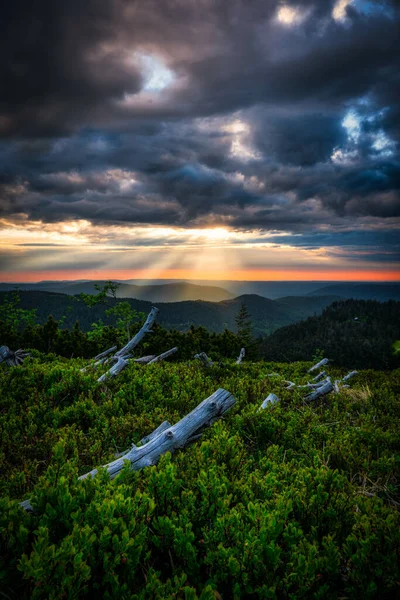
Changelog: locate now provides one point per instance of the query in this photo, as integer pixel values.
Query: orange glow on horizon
(280, 274)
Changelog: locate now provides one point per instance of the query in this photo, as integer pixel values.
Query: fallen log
(321, 391)
(163, 356)
(320, 375)
(146, 328)
(105, 353)
(165, 425)
(350, 375)
(202, 356)
(319, 364)
(241, 356)
(144, 360)
(186, 431)
(175, 437)
(291, 385)
(120, 358)
(11, 358)
(270, 399)
(119, 366)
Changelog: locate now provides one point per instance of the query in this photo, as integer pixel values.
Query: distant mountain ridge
(361, 291)
(211, 291)
(266, 315)
(168, 292)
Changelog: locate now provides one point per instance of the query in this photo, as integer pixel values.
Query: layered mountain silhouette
(266, 315)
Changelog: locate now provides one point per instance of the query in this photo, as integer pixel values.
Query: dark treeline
(353, 333)
(77, 343)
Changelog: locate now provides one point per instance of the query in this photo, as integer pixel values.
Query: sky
(200, 139)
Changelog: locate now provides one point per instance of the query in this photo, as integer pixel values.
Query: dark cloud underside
(204, 113)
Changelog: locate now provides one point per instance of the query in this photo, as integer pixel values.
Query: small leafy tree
(108, 290)
(13, 315)
(126, 316)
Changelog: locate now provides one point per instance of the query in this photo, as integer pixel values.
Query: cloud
(261, 116)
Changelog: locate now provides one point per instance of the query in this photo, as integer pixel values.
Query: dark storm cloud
(249, 133)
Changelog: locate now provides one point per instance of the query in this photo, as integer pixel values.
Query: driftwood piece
(291, 385)
(165, 425)
(163, 356)
(326, 388)
(11, 358)
(177, 436)
(320, 375)
(204, 359)
(241, 356)
(119, 366)
(270, 399)
(146, 328)
(350, 375)
(144, 360)
(105, 353)
(319, 364)
(119, 359)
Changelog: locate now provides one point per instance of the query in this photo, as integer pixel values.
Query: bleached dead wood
(165, 425)
(320, 375)
(270, 399)
(11, 358)
(204, 359)
(291, 385)
(119, 359)
(350, 375)
(241, 356)
(175, 437)
(146, 328)
(105, 353)
(319, 364)
(144, 360)
(119, 366)
(324, 389)
(185, 432)
(163, 356)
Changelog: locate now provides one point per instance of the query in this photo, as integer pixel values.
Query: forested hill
(266, 315)
(356, 332)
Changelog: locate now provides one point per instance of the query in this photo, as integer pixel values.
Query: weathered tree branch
(320, 375)
(350, 375)
(119, 366)
(326, 388)
(169, 439)
(270, 399)
(146, 328)
(120, 358)
(144, 360)
(204, 359)
(241, 356)
(319, 364)
(163, 356)
(165, 425)
(175, 437)
(11, 358)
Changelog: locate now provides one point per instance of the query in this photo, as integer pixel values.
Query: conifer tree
(244, 327)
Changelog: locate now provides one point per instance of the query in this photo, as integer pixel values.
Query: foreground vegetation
(296, 501)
